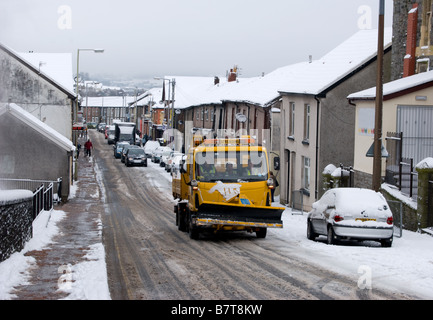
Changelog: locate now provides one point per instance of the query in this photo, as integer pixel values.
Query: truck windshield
(236, 166)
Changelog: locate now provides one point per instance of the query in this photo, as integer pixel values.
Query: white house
(41, 83)
(407, 108)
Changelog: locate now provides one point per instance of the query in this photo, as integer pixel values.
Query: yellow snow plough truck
(223, 184)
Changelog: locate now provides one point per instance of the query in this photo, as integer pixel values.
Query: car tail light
(390, 220)
(338, 218)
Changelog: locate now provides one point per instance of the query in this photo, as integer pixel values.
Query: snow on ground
(84, 281)
(407, 266)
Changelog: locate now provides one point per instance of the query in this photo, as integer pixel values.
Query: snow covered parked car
(351, 213)
(149, 147)
(158, 152)
(168, 163)
(176, 163)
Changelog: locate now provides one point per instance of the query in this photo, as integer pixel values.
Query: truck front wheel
(192, 229)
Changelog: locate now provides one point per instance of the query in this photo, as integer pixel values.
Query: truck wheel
(181, 219)
(261, 233)
(192, 229)
(193, 233)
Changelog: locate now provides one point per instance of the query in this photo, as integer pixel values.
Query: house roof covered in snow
(320, 75)
(55, 68)
(152, 95)
(315, 77)
(398, 87)
(33, 122)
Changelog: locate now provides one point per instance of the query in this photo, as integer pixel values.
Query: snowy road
(149, 258)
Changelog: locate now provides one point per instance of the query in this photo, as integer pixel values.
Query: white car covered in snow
(149, 147)
(351, 213)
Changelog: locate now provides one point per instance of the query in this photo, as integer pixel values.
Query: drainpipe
(316, 191)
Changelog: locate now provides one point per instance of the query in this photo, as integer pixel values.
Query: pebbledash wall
(16, 218)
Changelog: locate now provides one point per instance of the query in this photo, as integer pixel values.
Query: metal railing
(44, 196)
(32, 185)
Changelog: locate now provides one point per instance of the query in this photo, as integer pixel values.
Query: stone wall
(410, 214)
(16, 217)
(425, 193)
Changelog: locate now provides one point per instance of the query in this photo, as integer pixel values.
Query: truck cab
(225, 186)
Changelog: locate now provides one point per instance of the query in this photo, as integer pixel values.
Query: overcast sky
(185, 37)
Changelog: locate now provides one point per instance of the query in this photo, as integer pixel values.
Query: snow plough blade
(240, 215)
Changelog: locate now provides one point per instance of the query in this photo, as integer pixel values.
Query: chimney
(409, 59)
(232, 76)
(310, 58)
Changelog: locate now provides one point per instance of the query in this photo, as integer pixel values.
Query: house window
(198, 114)
(292, 119)
(307, 111)
(306, 162)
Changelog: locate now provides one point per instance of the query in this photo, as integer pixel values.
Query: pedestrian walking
(88, 146)
(274, 183)
(78, 150)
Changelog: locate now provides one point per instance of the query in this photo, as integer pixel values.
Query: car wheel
(386, 243)
(332, 237)
(311, 235)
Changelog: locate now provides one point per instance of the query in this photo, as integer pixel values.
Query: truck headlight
(270, 184)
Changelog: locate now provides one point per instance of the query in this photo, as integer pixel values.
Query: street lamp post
(78, 72)
(171, 83)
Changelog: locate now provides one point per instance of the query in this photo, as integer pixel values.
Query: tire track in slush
(154, 260)
(142, 270)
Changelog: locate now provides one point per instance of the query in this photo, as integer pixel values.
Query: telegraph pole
(377, 158)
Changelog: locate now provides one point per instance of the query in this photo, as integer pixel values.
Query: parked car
(118, 149)
(351, 213)
(157, 153)
(164, 156)
(149, 147)
(125, 149)
(135, 156)
(176, 163)
(169, 160)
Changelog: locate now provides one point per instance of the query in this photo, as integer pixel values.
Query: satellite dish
(241, 117)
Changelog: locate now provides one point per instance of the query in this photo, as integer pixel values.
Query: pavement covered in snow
(406, 267)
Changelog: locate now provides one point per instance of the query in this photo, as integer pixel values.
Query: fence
(400, 171)
(43, 191)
